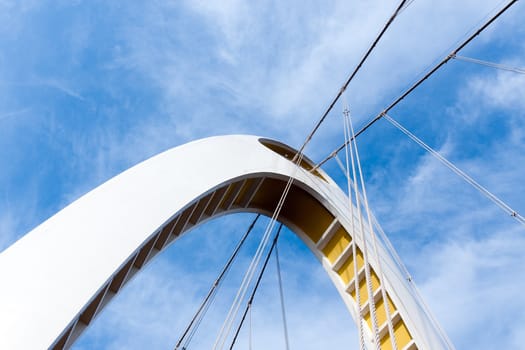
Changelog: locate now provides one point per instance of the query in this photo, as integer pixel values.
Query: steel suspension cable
(354, 244)
(199, 314)
(376, 250)
(407, 4)
(490, 64)
(228, 323)
(259, 278)
(297, 160)
(368, 277)
(281, 297)
(412, 284)
(459, 172)
(402, 6)
(400, 265)
(421, 80)
(383, 235)
(250, 329)
(374, 240)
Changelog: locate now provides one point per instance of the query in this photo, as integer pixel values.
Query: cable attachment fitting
(346, 112)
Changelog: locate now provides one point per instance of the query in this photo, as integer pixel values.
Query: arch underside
(304, 214)
(63, 273)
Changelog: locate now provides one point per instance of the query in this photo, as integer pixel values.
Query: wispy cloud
(121, 83)
(63, 87)
(13, 113)
(471, 277)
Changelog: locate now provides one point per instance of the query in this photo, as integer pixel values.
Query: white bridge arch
(59, 276)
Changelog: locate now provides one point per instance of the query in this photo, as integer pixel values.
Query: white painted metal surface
(52, 273)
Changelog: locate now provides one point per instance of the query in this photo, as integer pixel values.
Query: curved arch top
(59, 276)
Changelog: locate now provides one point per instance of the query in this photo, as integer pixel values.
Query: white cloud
(275, 63)
(13, 113)
(226, 67)
(475, 284)
(503, 90)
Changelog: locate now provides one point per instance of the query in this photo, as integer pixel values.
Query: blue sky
(88, 89)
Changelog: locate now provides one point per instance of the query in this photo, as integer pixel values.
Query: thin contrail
(14, 113)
